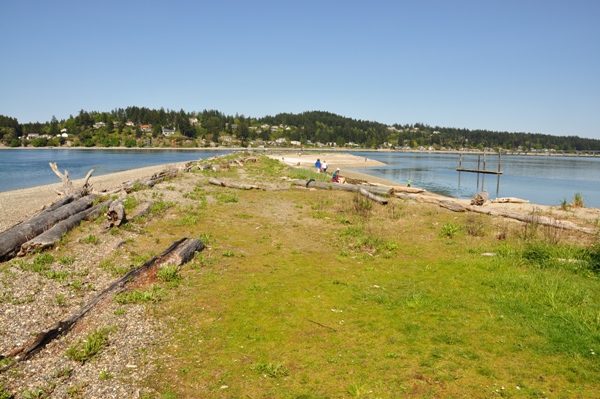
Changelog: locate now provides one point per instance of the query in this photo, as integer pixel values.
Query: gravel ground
(34, 297)
(32, 303)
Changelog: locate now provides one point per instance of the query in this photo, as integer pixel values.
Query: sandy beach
(19, 205)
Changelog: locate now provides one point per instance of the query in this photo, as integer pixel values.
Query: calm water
(542, 180)
(29, 168)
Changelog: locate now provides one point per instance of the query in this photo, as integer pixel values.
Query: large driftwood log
(232, 184)
(377, 190)
(534, 219)
(512, 200)
(178, 253)
(50, 237)
(372, 196)
(12, 239)
(412, 190)
(149, 181)
(68, 188)
(538, 219)
(453, 206)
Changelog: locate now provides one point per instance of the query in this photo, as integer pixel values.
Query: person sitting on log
(335, 178)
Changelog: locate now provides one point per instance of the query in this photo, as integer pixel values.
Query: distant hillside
(139, 127)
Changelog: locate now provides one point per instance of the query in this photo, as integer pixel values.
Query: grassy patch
(89, 347)
(153, 294)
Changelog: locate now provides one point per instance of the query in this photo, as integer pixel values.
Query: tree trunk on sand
(12, 239)
(373, 197)
(178, 253)
(50, 237)
(240, 186)
(378, 190)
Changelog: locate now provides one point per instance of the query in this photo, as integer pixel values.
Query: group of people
(335, 177)
(322, 168)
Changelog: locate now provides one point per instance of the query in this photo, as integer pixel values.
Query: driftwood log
(372, 196)
(115, 215)
(412, 190)
(51, 236)
(534, 219)
(537, 219)
(178, 253)
(149, 181)
(141, 210)
(377, 190)
(68, 188)
(480, 198)
(12, 239)
(240, 186)
(512, 200)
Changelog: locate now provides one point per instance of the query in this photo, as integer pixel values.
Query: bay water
(23, 168)
(544, 180)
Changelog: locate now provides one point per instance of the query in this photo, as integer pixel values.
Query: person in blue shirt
(318, 165)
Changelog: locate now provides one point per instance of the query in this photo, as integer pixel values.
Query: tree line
(140, 126)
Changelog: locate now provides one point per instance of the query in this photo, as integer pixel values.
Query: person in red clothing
(336, 176)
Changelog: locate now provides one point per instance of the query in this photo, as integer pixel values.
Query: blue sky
(517, 66)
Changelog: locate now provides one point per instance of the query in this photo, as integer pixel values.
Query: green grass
(90, 347)
(357, 303)
(153, 294)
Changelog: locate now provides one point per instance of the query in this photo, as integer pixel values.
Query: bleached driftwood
(68, 188)
(149, 181)
(511, 200)
(527, 218)
(377, 190)
(232, 184)
(413, 190)
(372, 196)
(178, 253)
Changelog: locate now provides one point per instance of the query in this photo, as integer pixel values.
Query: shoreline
(311, 150)
(19, 205)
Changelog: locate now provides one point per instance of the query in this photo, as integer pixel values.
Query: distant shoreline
(308, 150)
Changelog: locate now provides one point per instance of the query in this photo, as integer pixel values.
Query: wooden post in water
(484, 159)
(499, 158)
(478, 167)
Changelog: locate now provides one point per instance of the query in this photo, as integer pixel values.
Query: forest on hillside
(141, 127)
